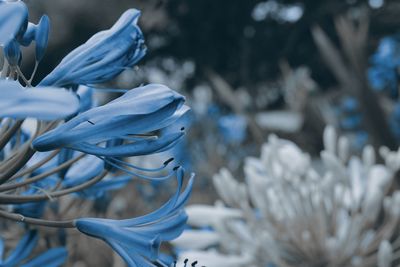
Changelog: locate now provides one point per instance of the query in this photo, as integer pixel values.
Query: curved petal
(41, 103)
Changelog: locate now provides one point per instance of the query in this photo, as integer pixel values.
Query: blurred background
(252, 68)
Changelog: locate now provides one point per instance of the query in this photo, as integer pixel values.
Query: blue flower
(137, 240)
(383, 73)
(131, 117)
(233, 128)
(43, 103)
(103, 56)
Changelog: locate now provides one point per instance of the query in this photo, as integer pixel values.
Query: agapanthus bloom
(55, 141)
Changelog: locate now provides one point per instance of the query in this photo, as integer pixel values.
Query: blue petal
(52, 258)
(86, 98)
(138, 148)
(103, 230)
(41, 103)
(103, 56)
(13, 20)
(84, 170)
(42, 37)
(175, 203)
(100, 188)
(168, 228)
(23, 249)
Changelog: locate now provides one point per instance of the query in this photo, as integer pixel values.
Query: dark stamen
(168, 161)
(175, 168)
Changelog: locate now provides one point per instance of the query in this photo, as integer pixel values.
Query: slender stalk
(40, 176)
(7, 135)
(26, 156)
(26, 81)
(33, 72)
(40, 222)
(18, 199)
(35, 166)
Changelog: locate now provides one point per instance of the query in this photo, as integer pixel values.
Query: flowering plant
(54, 141)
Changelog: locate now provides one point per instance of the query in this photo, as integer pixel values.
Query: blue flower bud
(12, 51)
(103, 56)
(42, 37)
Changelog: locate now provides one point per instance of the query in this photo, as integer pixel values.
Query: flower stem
(21, 218)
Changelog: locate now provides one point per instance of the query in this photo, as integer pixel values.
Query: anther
(168, 161)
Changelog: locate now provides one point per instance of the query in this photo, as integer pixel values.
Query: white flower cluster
(339, 210)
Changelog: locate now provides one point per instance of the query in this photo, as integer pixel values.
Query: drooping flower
(103, 56)
(137, 240)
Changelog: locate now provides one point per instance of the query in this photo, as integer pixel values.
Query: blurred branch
(227, 95)
(351, 73)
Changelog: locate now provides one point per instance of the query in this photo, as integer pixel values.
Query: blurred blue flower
(383, 73)
(103, 56)
(233, 128)
(52, 258)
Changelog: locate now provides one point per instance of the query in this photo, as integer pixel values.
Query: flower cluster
(291, 210)
(56, 142)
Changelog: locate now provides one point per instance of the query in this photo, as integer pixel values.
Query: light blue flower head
(103, 56)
